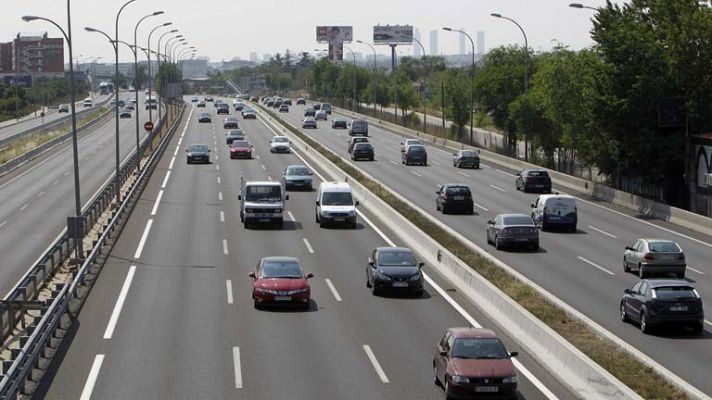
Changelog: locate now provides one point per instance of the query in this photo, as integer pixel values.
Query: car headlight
(267, 291)
(190, 154)
(460, 379)
(510, 379)
(383, 276)
(352, 213)
(324, 213)
(415, 277)
(297, 291)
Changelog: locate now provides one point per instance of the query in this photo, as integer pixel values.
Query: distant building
(33, 54)
(480, 43)
(253, 56)
(462, 42)
(433, 43)
(193, 69)
(417, 52)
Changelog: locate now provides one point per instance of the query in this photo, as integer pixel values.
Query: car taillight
(649, 256)
(681, 257)
(505, 230)
(444, 196)
(533, 230)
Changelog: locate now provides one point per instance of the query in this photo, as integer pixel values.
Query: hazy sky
(223, 29)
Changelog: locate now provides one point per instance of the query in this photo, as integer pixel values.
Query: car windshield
(241, 143)
(478, 348)
(396, 258)
(542, 174)
(663, 247)
(281, 269)
(337, 199)
(517, 220)
(198, 148)
(280, 139)
(263, 193)
(302, 171)
(675, 292)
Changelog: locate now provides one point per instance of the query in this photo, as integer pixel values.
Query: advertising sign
(24, 81)
(335, 37)
(390, 34)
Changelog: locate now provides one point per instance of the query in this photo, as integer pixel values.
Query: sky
(224, 29)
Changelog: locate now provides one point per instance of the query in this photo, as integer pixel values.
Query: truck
(261, 202)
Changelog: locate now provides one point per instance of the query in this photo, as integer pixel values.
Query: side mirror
(628, 248)
(239, 197)
(532, 205)
(513, 353)
(357, 203)
(186, 149)
(490, 222)
(251, 275)
(317, 202)
(311, 174)
(286, 197)
(421, 264)
(370, 261)
(209, 150)
(627, 291)
(310, 275)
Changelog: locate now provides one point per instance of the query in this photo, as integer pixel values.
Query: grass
(27, 143)
(639, 377)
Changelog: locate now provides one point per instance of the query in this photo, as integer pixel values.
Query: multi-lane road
(171, 315)
(583, 269)
(36, 200)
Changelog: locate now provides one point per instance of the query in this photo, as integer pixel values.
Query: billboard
(24, 81)
(389, 34)
(335, 37)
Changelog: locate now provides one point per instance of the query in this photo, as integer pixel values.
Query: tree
(141, 77)
(457, 98)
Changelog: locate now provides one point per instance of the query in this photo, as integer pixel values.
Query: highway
(583, 269)
(36, 199)
(171, 317)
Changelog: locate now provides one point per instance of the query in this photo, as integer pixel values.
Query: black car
(284, 108)
(301, 100)
(513, 230)
(415, 154)
(125, 114)
(654, 302)
(198, 153)
(362, 151)
(288, 102)
(239, 106)
(231, 123)
(270, 103)
(394, 268)
(454, 197)
(234, 134)
(63, 108)
(339, 123)
(533, 180)
(208, 99)
(466, 158)
(309, 112)
(204, 117)
(223, 108)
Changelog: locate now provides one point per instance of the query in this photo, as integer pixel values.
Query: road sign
(148, 126)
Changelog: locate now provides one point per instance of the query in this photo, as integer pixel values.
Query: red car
(241, 149)
(280, 280)
(473, 363)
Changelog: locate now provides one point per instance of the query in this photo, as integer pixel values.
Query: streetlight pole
(164, 76)
(422, 91)
(472, 77)
(353, 102)
(173, 76)
(374, 73)
(77, 223)
(158, 59)
(526, 79)
(150, 77)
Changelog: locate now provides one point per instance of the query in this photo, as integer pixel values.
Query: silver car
(654, 256)
(297, 176)
(309, 122)
(321, 115)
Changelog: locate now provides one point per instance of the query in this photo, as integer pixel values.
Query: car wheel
(368, 282)
(644, 326)
(454, 164)
(437, 206)
(697, 328)
(471, 211)
(374, 290)
(436, 380)
(488, 238)
(624, 315)
(641, 271)
(256, 304)
(626, 268)
(420, 293)
(447, 389)
(535, 247)
(497, 244)
(280, 224)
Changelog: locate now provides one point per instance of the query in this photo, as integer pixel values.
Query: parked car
(309, 112)
(284, 108)
(470, 363)
(280, 280)
(279, 144)
(309, 123)
(466, 158)
(358, 127)
(415, 154)
(409, 142)
(335, 204)
(204, 117)
(297, 176)
(233, 135)
(654, 256)
(248, 113)
(301, 100)
(533, 180)
(509, 230)
(554, 210)
(231, 123)
(197, 152)
(339, 123)
(363, 151)
(64, 108)
(453, 197)
(321, 115)
(241, 149)
(395, 269)
(654, 302)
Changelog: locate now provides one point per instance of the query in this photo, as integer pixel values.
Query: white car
(410, 142)
(279, 144)
(335, 204)
(321, 115)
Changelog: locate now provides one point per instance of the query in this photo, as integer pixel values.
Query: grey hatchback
(654, 256)
(513, 230)
(465, 158)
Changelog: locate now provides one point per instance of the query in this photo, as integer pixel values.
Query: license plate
(678, 308)
(263, 220)
(486, 389)
(539, 186)
(458, 198)
(521, 239)
(339, 219)
(282, 298)
(400, 284)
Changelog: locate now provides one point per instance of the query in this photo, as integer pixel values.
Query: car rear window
(469, 153)
(517, 220)
(297, 171)
(542, 174)
(363, 146)
(416, 149)
(664, 247)
(396, 258)
(241, 143)
(675, 292)
(458, 191)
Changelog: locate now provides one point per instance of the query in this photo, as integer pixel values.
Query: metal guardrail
(36, 338)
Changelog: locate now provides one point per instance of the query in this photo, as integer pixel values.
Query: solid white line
(175, 153)
(291, 216)
(157, 203)
(708, 322)
(220, 196)
(142, 242)
(593, 264)
(416, 174)
(228, 285)
(257, 156)
(463, 174)
(309, 248)
(218, 180)
(374, 362)
(498, 188)
(333, 289)
(225, 246)
(91, 379)
(393, 162)
(484, 166)
(269, 178)
(688, 267)
(3, 223)
(480, 207)
(238, 372)
(436, 163)
(173, 160)
(222, 216)
(24, 207)
(109, 332)
(165, 180)
(40, 194)
(506, 173)
(263, 167)
(602, 231)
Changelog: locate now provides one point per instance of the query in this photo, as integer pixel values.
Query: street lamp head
(445, 28)
(28, 18)
(88, 29)
(157, 13)
(576, 5)
(167, 23)
(496, 15)
(173, 31)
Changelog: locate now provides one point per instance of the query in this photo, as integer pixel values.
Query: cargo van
(335, 204)
(358, 127)
(555, 210)
(261, 202)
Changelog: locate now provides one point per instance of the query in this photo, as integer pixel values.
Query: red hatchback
(280, 280)
(472, 363)
(241, 149)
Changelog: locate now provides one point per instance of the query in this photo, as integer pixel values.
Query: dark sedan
(394, 268)
(454, 197)
(309, 112)
(197, 153)
(301, 100)
(280, 280)
(363, 151)
(513, 230)
(241, 149)
(654, 302)
(309, 123)
(125, 114)
(466, 158)
(233, 135)
(204, 117)
(284, 108)
(530, 180)
(223, 108)
(339, 123)
(231, 123)
(415, 154)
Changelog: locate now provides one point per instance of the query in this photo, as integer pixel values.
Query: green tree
(457, 100)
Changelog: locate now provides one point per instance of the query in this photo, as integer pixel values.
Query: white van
(335, 204)
(88, 102)
(555, 210)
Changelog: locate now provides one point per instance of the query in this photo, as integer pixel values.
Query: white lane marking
(485, 166)
(436, 163)
(109, 332)
(3, 223)
(225, 246)
(333, 289)
(269, 178)
(216, 157)
(24, 207)
(308, 246)
(238, 372)
(603, 232)
(222, 216)
(91, 379)
(66, 173)
(374, 362)
(291, 216)
(220, 196)
(54, 183)
(157, 203)
(217, 167)
(175, 153)
(218, 179)
(504, 172)
(173, 160)
(708, 322)
(480, 207)
(228, 285)
(142, 242)
(593, 264)
(497, 188)
(40, 194)
(180, 140)
(393, 162)
(263, 167)
(416, 174)
(688, 267)
(463, 174)
(257, 156)
(165, 180)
